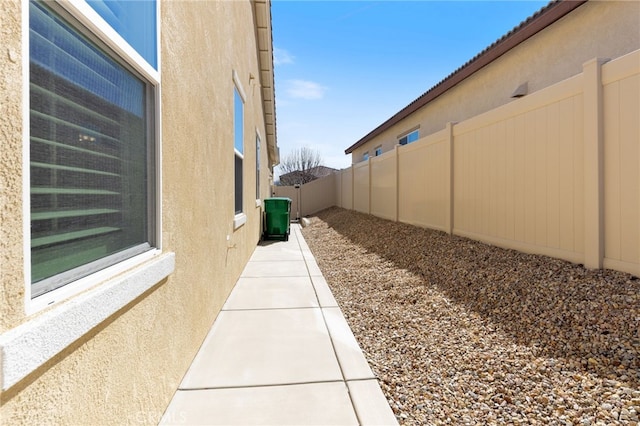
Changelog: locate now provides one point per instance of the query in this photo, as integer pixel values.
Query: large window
(92, 153)
(238, 145)
(408, 138)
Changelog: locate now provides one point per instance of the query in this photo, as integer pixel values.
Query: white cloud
(281, 56)
(302, 89)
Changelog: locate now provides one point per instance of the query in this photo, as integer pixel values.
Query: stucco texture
(606, 29)
(11, 259)
(126, 370)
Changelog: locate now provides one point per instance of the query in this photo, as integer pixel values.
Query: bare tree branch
(299, 166)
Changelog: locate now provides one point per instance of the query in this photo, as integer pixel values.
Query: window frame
(408, 135)
(378, 151)
(240, 217)
(258, 149)
(83, 17)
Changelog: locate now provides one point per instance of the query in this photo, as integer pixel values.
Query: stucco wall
(126, 370)
(11, 274)
(606, 29)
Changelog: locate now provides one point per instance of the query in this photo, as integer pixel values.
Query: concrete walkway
(280, 353)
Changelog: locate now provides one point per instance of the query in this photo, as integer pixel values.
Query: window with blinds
(91, 154)
(257, 167)
(134, 21)
(238, 144)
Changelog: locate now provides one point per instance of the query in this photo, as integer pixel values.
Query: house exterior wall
(11, 239)
(126, 369)
(605, 29)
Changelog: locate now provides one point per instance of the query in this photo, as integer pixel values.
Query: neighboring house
(550, 46)
(137, 141)
(305, 176)
(532, 145)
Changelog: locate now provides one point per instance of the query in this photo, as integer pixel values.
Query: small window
(365, 156)
(257, 167)
(92, 153)
(408, 138)
(378, 151)
(238, 145)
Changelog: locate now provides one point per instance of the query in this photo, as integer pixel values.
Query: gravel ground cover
(460, 332)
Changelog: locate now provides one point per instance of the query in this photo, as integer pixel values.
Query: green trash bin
(277, 212)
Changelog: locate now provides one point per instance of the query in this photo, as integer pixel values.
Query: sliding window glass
(238, 144)
(257, 167)
(91, 153)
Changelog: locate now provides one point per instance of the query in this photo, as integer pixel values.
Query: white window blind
(91, 154)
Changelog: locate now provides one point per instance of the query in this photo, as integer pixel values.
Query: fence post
(339, 189)
(397, 161)
(370, 191)
(353, 204)
(593, 164)
(449, 179)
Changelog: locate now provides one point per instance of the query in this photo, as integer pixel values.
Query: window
(91, 153)
(408, 138)
(238, 145)
(134, 21)
(365, 156)
(378, 150)
(257, 167)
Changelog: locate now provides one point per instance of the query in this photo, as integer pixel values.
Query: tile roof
(527, 28)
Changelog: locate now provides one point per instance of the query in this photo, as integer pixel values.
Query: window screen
(91, 154)
(238, 144)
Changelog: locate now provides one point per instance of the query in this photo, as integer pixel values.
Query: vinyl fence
(556, 172)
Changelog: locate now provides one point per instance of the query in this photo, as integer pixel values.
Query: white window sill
(239, 220)
(30, 345)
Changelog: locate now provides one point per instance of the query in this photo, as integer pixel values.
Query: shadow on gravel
(589, 317)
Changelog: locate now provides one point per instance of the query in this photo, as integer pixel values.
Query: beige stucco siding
(606, 29)
(126, 370)
(11, 269)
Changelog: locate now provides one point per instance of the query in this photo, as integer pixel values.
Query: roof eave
(528, 28)
(262, 16)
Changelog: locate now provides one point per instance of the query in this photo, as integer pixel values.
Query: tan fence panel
(318, 195)
(422, 176)
(311, 197)
(338, 188)
(361, 187)
(384, 186)
(346, 188)
(621, 92)
(518, 174)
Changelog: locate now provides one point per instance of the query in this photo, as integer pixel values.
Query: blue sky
(344, 67)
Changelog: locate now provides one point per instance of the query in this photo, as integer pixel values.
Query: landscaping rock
(461, 332)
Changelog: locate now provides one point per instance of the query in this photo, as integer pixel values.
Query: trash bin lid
(277, 203)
